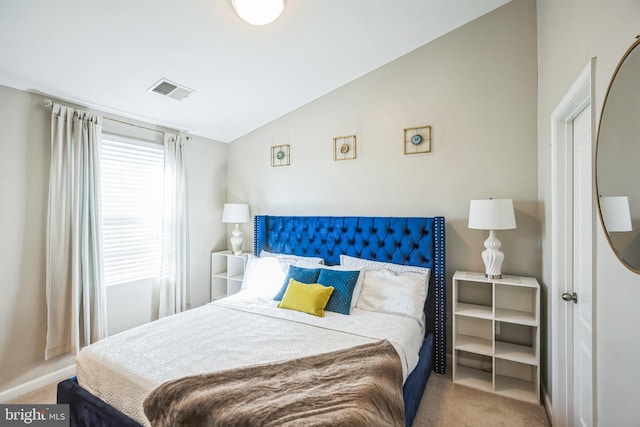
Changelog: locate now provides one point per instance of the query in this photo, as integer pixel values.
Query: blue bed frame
(400, 240)
(408, 241)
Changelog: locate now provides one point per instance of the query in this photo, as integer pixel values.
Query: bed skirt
(86, 410)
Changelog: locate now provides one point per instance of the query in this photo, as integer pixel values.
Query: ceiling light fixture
(258, 12)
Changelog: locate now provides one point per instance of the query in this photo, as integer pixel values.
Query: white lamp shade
(615, 213)
(235, 213)
(258, 12)
(492, 214)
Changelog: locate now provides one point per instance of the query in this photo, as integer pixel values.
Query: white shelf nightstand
(227, 272)
(496, 334)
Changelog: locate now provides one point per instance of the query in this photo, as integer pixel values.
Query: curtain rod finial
(47, 103)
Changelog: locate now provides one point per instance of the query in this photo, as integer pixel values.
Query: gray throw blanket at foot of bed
(359, 386)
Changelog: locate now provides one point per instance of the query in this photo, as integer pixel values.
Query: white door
(583, 208)
(572, 235)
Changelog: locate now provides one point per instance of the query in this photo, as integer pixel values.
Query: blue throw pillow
(302, 275)
(343, 282)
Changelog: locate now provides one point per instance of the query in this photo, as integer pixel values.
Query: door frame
(577, 98)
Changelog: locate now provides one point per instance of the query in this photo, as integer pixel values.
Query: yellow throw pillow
(308, 298)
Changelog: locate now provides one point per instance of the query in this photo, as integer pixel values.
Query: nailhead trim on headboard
(440, 346)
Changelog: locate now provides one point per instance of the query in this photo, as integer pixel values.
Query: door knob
(570, 297)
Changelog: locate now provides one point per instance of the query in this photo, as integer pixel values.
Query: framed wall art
(417, 140)
(344, 147)
(280, 155)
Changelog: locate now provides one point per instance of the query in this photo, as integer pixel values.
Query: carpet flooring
(446, 404)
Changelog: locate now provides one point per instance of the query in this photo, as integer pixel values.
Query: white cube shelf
(227, 272)
(496, 334)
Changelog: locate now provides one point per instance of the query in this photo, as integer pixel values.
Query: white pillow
(264, 276)
(316, 260)
(399, 293)
(368, 264)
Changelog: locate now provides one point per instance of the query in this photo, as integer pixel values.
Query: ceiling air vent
(173, 90)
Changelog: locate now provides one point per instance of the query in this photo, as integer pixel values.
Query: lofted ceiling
(107, 54)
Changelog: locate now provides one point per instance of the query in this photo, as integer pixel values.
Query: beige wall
(570, 32)
(476, 86)
(24, 177)
(207, 184)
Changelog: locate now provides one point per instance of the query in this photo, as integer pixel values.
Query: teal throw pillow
(302, 275)
(343, 283)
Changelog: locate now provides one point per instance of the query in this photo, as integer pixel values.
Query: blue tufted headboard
(409, 241)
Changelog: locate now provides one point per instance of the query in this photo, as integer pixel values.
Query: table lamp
(492, 214)
(236, 213)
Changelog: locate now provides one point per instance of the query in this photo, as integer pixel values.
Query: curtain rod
(49, 104)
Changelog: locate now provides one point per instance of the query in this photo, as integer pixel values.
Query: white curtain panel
(174, 281)
(76, 296)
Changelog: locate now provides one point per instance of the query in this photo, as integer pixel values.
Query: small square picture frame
(417, 140)
(344, 148)
(280, 155)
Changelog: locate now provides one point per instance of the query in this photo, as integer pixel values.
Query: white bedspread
(237, 331)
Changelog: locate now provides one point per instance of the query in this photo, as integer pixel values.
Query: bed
(402, 241)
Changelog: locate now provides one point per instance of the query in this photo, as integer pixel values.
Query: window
(132, 190)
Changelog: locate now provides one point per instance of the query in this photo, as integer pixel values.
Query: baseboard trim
(547, 403)
(29, 386)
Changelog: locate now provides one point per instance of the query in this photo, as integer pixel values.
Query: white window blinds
(132, 184)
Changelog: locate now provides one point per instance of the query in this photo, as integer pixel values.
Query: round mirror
(617, 148)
